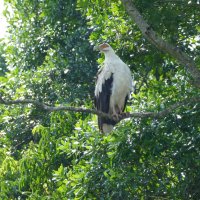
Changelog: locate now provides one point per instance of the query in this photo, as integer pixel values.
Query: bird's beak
(96, 48)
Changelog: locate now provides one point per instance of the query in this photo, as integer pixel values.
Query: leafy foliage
(48, 57)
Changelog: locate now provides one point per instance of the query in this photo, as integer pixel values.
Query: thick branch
(45, 107)
(161, 44)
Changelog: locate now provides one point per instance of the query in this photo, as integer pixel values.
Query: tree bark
(156, 114)
(161, 44)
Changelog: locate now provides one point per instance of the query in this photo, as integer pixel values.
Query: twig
(137, 90)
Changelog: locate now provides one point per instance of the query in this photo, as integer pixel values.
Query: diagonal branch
(161, 44)
(155, 114)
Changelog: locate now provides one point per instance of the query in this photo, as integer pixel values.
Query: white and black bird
(113, 87)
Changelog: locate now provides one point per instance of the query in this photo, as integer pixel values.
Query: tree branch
(161, 44)
(159, 114)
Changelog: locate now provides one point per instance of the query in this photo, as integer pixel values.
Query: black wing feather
(125, 102)
(102, 102)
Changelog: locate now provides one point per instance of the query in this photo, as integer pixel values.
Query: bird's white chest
(122, 79)
(122, 84)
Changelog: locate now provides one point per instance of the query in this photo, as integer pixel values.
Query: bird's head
(103, 48)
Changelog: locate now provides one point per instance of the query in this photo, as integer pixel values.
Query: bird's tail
(106, 125)
(107, 128)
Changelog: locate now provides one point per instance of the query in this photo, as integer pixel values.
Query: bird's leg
(120, 115)
(115, 114)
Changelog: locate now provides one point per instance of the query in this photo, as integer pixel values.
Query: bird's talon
(125, 114)
(115, 117)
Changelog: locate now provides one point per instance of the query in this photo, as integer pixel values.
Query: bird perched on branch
(113, 87)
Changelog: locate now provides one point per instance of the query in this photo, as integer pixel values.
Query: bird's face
(103, 47)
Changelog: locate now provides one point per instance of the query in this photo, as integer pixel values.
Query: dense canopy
(47, 61)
